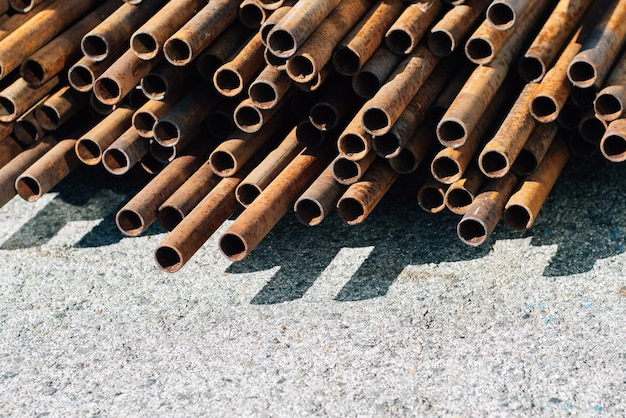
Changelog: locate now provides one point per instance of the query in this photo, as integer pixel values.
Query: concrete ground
(394, 317)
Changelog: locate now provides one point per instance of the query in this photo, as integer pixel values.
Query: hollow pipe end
(309, 211)
(233, 246)
(130, 222)
(472, 231)
(169, 258)
(28, 187)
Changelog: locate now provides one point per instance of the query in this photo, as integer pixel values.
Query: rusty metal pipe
(59, 108)
(415, 151)
(124, 152)
(524, 205)
(504, 14)
(252, 14)
(297, 25)
(319, 199)
(253, 224)
(198, 33)
(450, 31)
(164, 79)
(360, 45)
(89, 147)
(148, 115)
(405, 33)
(613, 143)
(347, 171)
(147, 41)
(26, 129)
(610, 103)
(251, 119)
(591, 128)
(384, 109)
(18, 97)
(599, 52)
(232, 77)
(309, 136)
(354, 142)
(9, 149)
(263, 174)
(20, 6)
(535, 149)
(272, 20)
(373, 74)
(18, 164)
(485, 212)
(221, 50)
(431, 196)
(360, 199)
(449, 93)
(461, 194)
(269, 87)
(141, 211)
(114, 31)
(83, 73)
(47, 171)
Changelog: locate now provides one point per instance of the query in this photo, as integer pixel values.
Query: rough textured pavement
(394, 317)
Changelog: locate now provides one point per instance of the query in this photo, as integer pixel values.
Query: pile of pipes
(308, 105)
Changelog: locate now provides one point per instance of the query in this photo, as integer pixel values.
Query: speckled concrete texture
(395, 317)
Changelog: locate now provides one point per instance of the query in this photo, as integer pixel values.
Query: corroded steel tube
(405, 33)
(9, 25)
(47, 171)
(348, 172)
(449, 93)
(461, 194)
(483, 44)
(180, 204)
(59, 108)
(415, 151)
(384, 109)
(251, 119)
(297, 25)
(374, 73)
(570, 116)
(361, 43)
(147, 115)
(269, 87)
(245, 233)
(184, 117)
(263, 174)
(124, 152)
(545, 48)
(498, 154)
(9, 149)
(591, 128)
(319, 199)
(334, 102)
(317, 81)
(610, 104)
(613, 143)
(229, 156)
(535, 149)
(202, 29)
(121, 77)
(18, 97)
(274, 61)
(599, 52)
(252, 14)
(317, 51)
(38, 30)
(53, 57)
(272, 20)
(309, 136)
(485, 212)
(26, 129)
(390, 144)
(354, 142)
(504, 14)
(97, 108)
(221, 49)
(83, 73)
(232, 77)
(5, 129)
(524, 205)
(115, 31)
(18, 164)
(431, 196)
(141, 211)
(450, 31)
(356, 204)
(164, 80)
(147, 41)
(89, 147)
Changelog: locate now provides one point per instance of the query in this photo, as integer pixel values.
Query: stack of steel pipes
(310, 106)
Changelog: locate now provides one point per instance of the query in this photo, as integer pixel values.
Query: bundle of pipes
(308, 105)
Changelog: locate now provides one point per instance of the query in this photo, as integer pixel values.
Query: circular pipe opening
(350, 210)
(323, 116)
(263, 95)
(614, 148)
(479, 50)
(404, 163)
(450, 131)
(365, 84)
(177, 51)
(471, 231)
(47, 117)
(399, 41)
(531, 69)
(281, 43)
(445, 169)
(608, 106)
(222, 163)
(248, 119)
(431, 199)
(28, 188)
(94, 47)
(501, 16)
(107, 90)
(375, 121)
(228, 82)
(346, 171)
(168, 259)
(246, 193)
(7, 107)
(233, 247)
(115, 161)
(582, 73)
(346, 62)
(441, 43)
(80, 78)
(300, 68)
(144, 45)
(88, 151)
(143, 122)
(351, 144)
(154, 86)
(544, 108)
(525, 163)
(309, 212)
(129, 222)
(517, 218)
(386, 145)
(309, 136)
(458, 200)
(251, 15)
(166, 132)
(493, 163)
(32, 72)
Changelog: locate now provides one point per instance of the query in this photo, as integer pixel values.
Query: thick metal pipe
(269, 87)
(359, 46)
(610, 103)
(316, 202)
(297, 26)
(498, 154)
(18, 164)
(141, 211)
(373, 74)
(485, 212)
(9, 24)
(334, 103)
(60, 107)
(613, 143)
(450, 31)
(356, 204)
(272, 20)
(232, 77)
(198, 33)
(121, 77)
(405, 33)
(124, 152)
(89, 147)
(251, 119)
(263, 174)
(254, 223)
(431, 196)
(599, 52)
(384, 109)
(18, 97)
(147, 41)
(47, 171)
(535, 149)
(461, 194)
(522, 208)
(449, 93)
(546, 46)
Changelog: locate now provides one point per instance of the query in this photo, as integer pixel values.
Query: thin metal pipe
(610, 103)
(26, 129)
(613, 143)
(535, 149)
(591, 128)
(85, 71)
(18, 97)
(373, 74)
(431, 196)
(504, 14)
(9, 149)
(354, 142)
(251, 119)
(405, 33)
(461, 194)
(347, 171)
(415, 151)
(125, 152)
(450, 31)
(89, 147)
(272, 20)
(269, 87)
(252, 14)
(221, 50)
(232, 77)
(60, 107)
(164, 79)
(316, 202)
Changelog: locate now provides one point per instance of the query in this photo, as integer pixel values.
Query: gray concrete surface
(394, 317)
